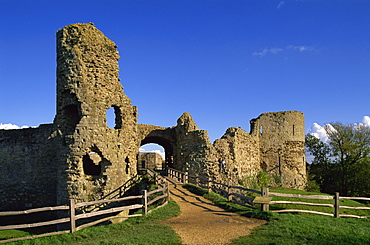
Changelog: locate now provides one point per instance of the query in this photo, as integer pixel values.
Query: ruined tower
(281, 136)
(98, 158)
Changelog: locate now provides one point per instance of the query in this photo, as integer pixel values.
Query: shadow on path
(202, 222)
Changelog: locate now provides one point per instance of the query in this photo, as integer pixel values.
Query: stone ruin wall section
(282, 146)
(28, 176)
(241, 152)
(194, 151)
(88, 85)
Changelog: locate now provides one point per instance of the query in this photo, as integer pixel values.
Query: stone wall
(241, 152)
(282, 146)
(28, 176)
(194, 151)
(275, 145)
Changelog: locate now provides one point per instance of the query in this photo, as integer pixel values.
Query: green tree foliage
(342, 164)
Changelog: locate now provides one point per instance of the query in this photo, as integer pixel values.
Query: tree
(342, 164)
(321, 164)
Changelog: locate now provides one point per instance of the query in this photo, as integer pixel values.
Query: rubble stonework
(87, 86)
(80, 157)
(151, 160)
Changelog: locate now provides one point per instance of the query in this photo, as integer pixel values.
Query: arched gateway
(161, 136)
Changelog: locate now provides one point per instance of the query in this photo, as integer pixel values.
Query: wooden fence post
(336, 205)
(155, 178)
(186, 181)
(209, 184)
(168, 191)
(145, 202)
(265, 193)
(229, 197)
(72, 218)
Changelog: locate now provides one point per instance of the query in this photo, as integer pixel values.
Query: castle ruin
(78, 156)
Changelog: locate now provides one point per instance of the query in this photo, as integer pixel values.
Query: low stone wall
(28, 176)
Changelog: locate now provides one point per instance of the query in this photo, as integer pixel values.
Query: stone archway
(167, 146)
(161, 136)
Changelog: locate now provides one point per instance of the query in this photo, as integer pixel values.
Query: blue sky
(225, 62)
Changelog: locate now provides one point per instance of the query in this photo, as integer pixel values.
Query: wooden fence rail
(144, 202)
(336, 205)
(227, 190)
(265, 196)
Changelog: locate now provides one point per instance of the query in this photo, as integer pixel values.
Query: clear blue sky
(225, 62)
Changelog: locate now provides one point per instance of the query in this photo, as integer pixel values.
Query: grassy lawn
(309, 229)
(298, 228)
(138, 230)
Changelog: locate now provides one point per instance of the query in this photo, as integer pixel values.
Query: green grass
(7, 234)
(138, 230)
(292, 229)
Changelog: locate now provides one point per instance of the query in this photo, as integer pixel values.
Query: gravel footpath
(202, 222)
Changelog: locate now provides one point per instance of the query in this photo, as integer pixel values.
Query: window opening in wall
(127, 160)
(261, 129)
(113, 118)
(72, 117)
(143, 164)
(293, 130)
(92, 163)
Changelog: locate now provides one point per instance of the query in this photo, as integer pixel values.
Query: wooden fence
(265, 197)
(143, 202)
(336, 204)
(236, 194)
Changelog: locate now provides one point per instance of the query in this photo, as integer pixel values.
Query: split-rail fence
(144, 200)
(237, 194)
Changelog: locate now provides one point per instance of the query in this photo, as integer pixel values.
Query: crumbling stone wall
(275, 145)
(28, 175)
(194, 151)
(87, 86)
(282, 146)
(241, 152)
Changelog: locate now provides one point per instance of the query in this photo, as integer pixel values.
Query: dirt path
(201, 222)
